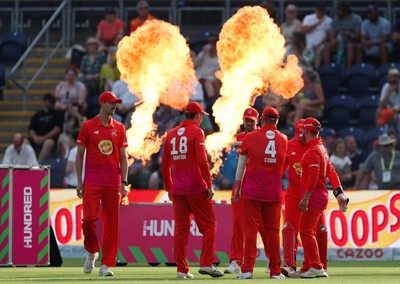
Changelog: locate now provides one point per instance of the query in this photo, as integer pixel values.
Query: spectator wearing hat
(109, 29)
(384, 163)
(345, 28)
(44, 128)
(389, 102)
(375, 39)
(143, 10)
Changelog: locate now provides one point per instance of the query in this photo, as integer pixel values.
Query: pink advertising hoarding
(30, 216)
(5, 256)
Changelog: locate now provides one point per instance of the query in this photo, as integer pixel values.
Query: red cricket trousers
(308, 226)
(197, 205)
(237, 242)
(110, 199)
(258, 212)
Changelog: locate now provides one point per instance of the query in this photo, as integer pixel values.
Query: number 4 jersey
(184, 165)
(266, 152)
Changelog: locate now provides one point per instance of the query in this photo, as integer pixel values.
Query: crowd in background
(345, 38)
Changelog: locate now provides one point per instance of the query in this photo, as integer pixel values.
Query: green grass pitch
(351, 272)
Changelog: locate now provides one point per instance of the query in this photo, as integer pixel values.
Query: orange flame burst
(250, 52)
(155, 62)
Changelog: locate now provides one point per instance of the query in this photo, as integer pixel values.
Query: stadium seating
(198, 41)
(2, 76)
(383, 70)
(12, 47)
(340, 110)
(360, 78)
(366, 108)
(357, 132)
(331, 78)
(371, 136)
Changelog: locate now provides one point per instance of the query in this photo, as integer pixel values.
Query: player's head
(270, 116)
(311, 128)
(108, 102)
(250, 119)
(194, 111)
(298, 131)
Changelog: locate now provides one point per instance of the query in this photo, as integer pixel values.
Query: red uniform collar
(269, 127)
(99, 123)
(313, 142)
(188, 122)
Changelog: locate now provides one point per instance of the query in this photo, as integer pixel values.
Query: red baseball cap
(298, 127)
(270, 113)
(194, 107)
(385, 116)
(251, 113)
(109, 97)
(312, 124)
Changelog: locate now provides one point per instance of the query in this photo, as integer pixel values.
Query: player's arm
(166, 167)
(79, 166)
(239, 176)
(311, 163)
(123, 160)
(338, 192)
(201, 156)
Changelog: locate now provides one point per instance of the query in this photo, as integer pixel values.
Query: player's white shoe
(233, 268)
(267, 268)
(280, 276)
(105, 271)
(314, 273)
(181, 275)
(246, 275)
(295, 274)
(91, 258)
(212, 271)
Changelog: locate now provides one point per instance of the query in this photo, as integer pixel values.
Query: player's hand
(210, 193)
(343, 202)
(170, 196)
(123, 191)
(236, 197)
(79, 190)
(303, 205)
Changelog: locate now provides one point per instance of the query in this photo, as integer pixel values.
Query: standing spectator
(70, 91)
(291, 24)
(345, 28)
(104, 141)
(259, 185)
(341, 162)
(375, 39)
(19, 153)
(357, 157)
(315, 168)
(187, 179)
(304, 53)
(143, 10)
(396, 39)
(109, 29)
(44, 128)
(389, 101)
(90, 75)
(129, 102)
(315, 27)
(385, 163)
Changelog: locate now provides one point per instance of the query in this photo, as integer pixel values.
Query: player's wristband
(337, 191)
(125, 182)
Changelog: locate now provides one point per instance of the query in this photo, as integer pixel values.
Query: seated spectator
(291, 24)
(315, 27)
(109, 72)
(143, 10)
(109, 29)
(329, 140)
(90, 75)
(396, 40)
(357, 157)
(44, 128)
(19, 153)
(389, 102)
(385, 163)
(124, 110)
(375, 39)
(341, 162)
(345, 28)
(70, 91)
(71, 179)
(166, 118)
(304, 54)
(270, 7)
(155, 180)
(310, 100)
(72, 123)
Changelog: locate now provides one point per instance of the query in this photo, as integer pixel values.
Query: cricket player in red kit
(259, 185)
(187, 179)
(315, 167)
(106, 169)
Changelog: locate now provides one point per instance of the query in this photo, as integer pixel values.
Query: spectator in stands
(143, 10)
(328, 139)
(226, 175)
(389, 102)
(166, 118)
(124, 110)
(71, 91)
(310, 100)
(71, 179)
(341, 162)
(270, 7)
(291, 24)
(375, 39)
(396, 39)
(109, 29)
(206, 64)
(315, 27)
(90, 75)
(19, 153)
(45, 127)
(345, 28)
(357, 157)
(304, 53)
(385, 162)
(72, 123)
(109, 72)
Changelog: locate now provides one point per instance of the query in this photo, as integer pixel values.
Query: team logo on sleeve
(270, 134)
(181, 131)
(106, 147)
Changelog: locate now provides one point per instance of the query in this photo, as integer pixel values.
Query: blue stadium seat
(2, 76)
(357, 132)
(360, 78)
(383, 70)
(366, 108)
(340, 110)
(331, 78)
(12, 47)
(197, 41)
(371, 136)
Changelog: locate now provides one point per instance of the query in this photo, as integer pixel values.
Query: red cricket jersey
(102, 145)
(316, 167)
(266, 151)
(293, 161)
(184, 164)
